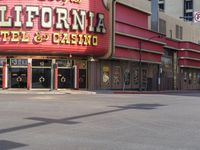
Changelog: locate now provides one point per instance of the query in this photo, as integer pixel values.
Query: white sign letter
(30, 10)
(62, 18)
(3, 22)
(78, 19)
(18, 10)
(46, 18)
(100, 25)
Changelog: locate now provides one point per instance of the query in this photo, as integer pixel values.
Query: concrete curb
(48, 92)
(83, 92)
(157, 92)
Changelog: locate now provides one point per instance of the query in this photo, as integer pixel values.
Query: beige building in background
(175, 19)
(179, 9)
(188, 31)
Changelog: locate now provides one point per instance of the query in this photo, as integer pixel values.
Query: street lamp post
(140, 58)
(140, 65)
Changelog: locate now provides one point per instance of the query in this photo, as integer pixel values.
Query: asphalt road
(100, 122)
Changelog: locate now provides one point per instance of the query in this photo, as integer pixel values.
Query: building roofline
(134, 7)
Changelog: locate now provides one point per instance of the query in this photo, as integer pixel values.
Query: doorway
(41, 73)
(41, 78)
(17, 73)
(82, 78)
(65, 78)
(18, 77)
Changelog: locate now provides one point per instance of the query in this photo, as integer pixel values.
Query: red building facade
(42, 41)
(53, 44)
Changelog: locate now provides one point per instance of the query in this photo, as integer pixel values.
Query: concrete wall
(196, 5)
(174, 8)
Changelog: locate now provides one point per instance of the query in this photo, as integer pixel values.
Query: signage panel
(197, 16)
(19, 62)
(50, 26)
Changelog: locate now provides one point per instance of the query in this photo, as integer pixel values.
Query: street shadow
(70, 120)
(141, 106)
(9, 145)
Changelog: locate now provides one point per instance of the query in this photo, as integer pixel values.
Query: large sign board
(50, 26)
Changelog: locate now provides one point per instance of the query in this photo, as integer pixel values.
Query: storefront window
(185, 76)
(41, 62)
(116, 75)
(199, 78)
(190, 78)
(136, 77)
(18, 62)
(106, 75)
(64, 63)
(194, 77)
(127, 77)
(2, 61)
(144, 78)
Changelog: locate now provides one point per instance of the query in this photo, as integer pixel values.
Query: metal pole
(159, 77)
(140, 65)
(52, 74)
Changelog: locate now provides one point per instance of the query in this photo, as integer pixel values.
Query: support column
(56, 77)
(175, 72)
(28, 76)
(52, 73)
(4, 76)
(76, 76)
(159, 76)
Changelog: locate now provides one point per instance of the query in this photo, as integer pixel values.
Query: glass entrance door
(18, 77)
(41, 77)
(17, 73)
(65, 78)
(83, 79)
(41, 73)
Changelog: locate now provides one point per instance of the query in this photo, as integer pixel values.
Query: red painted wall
(172, 43)
(190, 54)
(48, 47)
(190, 63)
(131, 28)
(187, 55)
(131, 16)
(134, 43)
(134, 55)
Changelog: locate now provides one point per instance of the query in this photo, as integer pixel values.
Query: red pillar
(78, 76)
(4, 77)
(56, 77)
(29, 76)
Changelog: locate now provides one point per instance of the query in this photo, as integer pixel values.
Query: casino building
(47, 44)
(93, 44)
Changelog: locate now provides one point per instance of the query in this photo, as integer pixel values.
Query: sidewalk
(85, 92)
(157, 92)
(46, 92)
